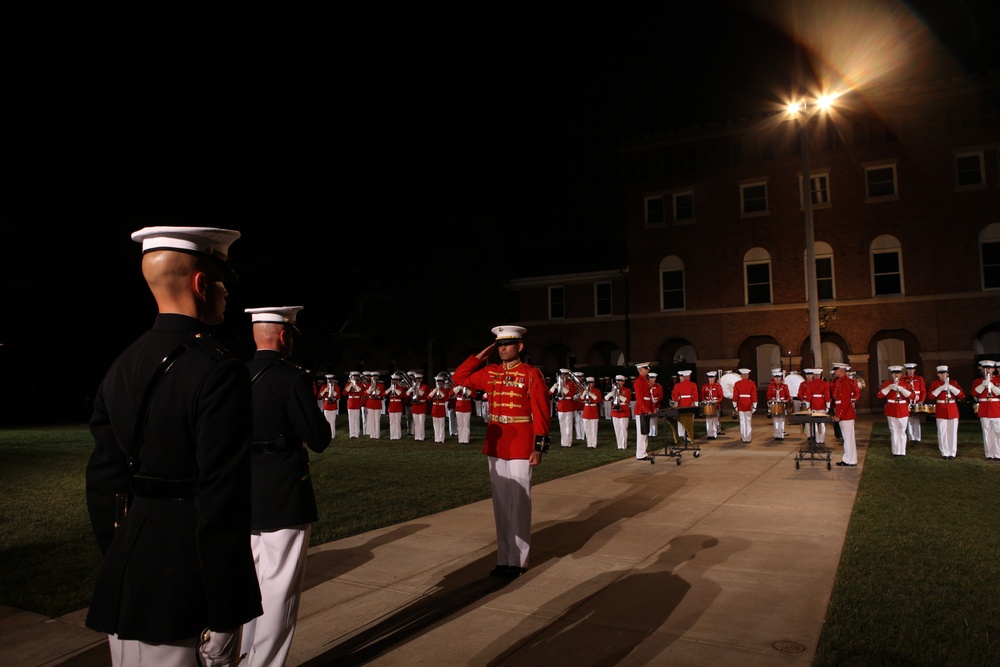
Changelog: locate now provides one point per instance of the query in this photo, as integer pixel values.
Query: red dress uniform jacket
(439, 402)
(685, 393)
(463, 399)
(418, 400)
(623, 409)
(844, 392)
(779, 392)
(395, 398)
(712, 393)
(355, 392)
(745, 395)
(988, 397)
(945, 406)
(331, 396)
(565, 402)
(374, 395)
(643, 399)
(591, 401)
(896, 405)
(656, 391)
(816, 393)
(518, 402)
(915, 384)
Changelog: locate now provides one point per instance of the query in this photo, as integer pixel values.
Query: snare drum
(777, 409)
(709, 409)
(925, 408)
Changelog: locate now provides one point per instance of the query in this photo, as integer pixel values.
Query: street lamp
(798, 111)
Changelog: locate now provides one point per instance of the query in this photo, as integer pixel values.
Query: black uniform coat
(285, 415)
(174, 567)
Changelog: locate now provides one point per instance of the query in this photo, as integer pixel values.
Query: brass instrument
(373, 386)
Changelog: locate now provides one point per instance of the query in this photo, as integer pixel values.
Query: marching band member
(815, 391)
(684, 394)
(330, 397)
(918, 387)
(778, 394)
(656, 391)
(439, 396)
(745, 403)
(354, 390)
(897, 409)
(418, 406)
(986, 391)
(563, 390)
(643, 408)
(395, 397)
(620, 397)
(374, 395)
(591, 398)
(463, 413)
(945, 394)
(581, 382)
(712, 394)
(844, 393)
(516, 437)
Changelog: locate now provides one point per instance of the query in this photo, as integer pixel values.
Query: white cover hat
(895, 369)
(909, 364)
(712, 374)
(684, 373)
(209, 241)
(744, 371)
(276, 314)
(508, 332)
(942, 369)
(840, 364)
(619, 378)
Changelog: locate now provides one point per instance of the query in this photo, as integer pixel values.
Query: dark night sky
(314, 130)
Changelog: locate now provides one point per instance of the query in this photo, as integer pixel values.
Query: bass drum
(794, 381)
(727, 381)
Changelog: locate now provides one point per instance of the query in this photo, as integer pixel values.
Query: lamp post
(798, 111)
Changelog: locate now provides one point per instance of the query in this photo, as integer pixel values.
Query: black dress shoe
(500, 571)
(644, 458)
(849, 465)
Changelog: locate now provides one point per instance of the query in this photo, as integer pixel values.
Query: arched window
(989, 252)
(886, 257)
(757, 273)
(672, 283)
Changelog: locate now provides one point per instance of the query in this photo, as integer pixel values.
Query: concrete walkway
(728, 558)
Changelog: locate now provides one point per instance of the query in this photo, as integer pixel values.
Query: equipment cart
(673, 416)
(813, 451)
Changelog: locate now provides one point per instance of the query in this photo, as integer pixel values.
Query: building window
(683, 206)
(819, 189)
(880, 182)
(886, 266)
(655, 210)
(757, 269)
(672, 283)
(989, 247)
(823, 254)
(602, 299)
(969, 171)
(753, 198)
(557, 303)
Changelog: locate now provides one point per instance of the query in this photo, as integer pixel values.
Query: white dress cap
(988, 363)
(684, 373)
(777, 372)
(643, 364)
(909, 365)
(744, 371)
(619, 377)
(590, 379)
(840, 364)
(654, 375)
(712, 374)
(895, 369)
(508, 331)
(329, 376)
(209, 241)
(942, 369)
(279, 314)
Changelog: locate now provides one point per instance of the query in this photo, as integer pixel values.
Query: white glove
(755, 407)
(219, 649)
(995, 389)
(905, 392)
(938, 390)
(954, 390)
(885, 392)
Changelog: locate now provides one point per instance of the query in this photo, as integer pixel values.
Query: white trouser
(850, 446)
(450, 417)
(133, 653)
(653, 422)
(641, 441)
(280, 559)
(395, 425)
(746, 431)
(590, 428)
(463, 421)
(364, 419)
(621, 431)
(439, 428)
(565, 428)
(374, 424)
(913, 428)
(578, 425)
(712, 426)
(897, 434)
(354, 423)
(947, 430)
(779, 426)
(510, 482)
(991, 436)
(419, 426)
(820, 433)
(331, 418)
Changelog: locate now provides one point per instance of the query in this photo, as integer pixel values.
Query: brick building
(906, 216)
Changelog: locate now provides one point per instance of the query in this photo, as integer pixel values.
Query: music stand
(673, 417)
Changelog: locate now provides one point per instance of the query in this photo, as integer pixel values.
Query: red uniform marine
(946, 395)
(897, 409)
